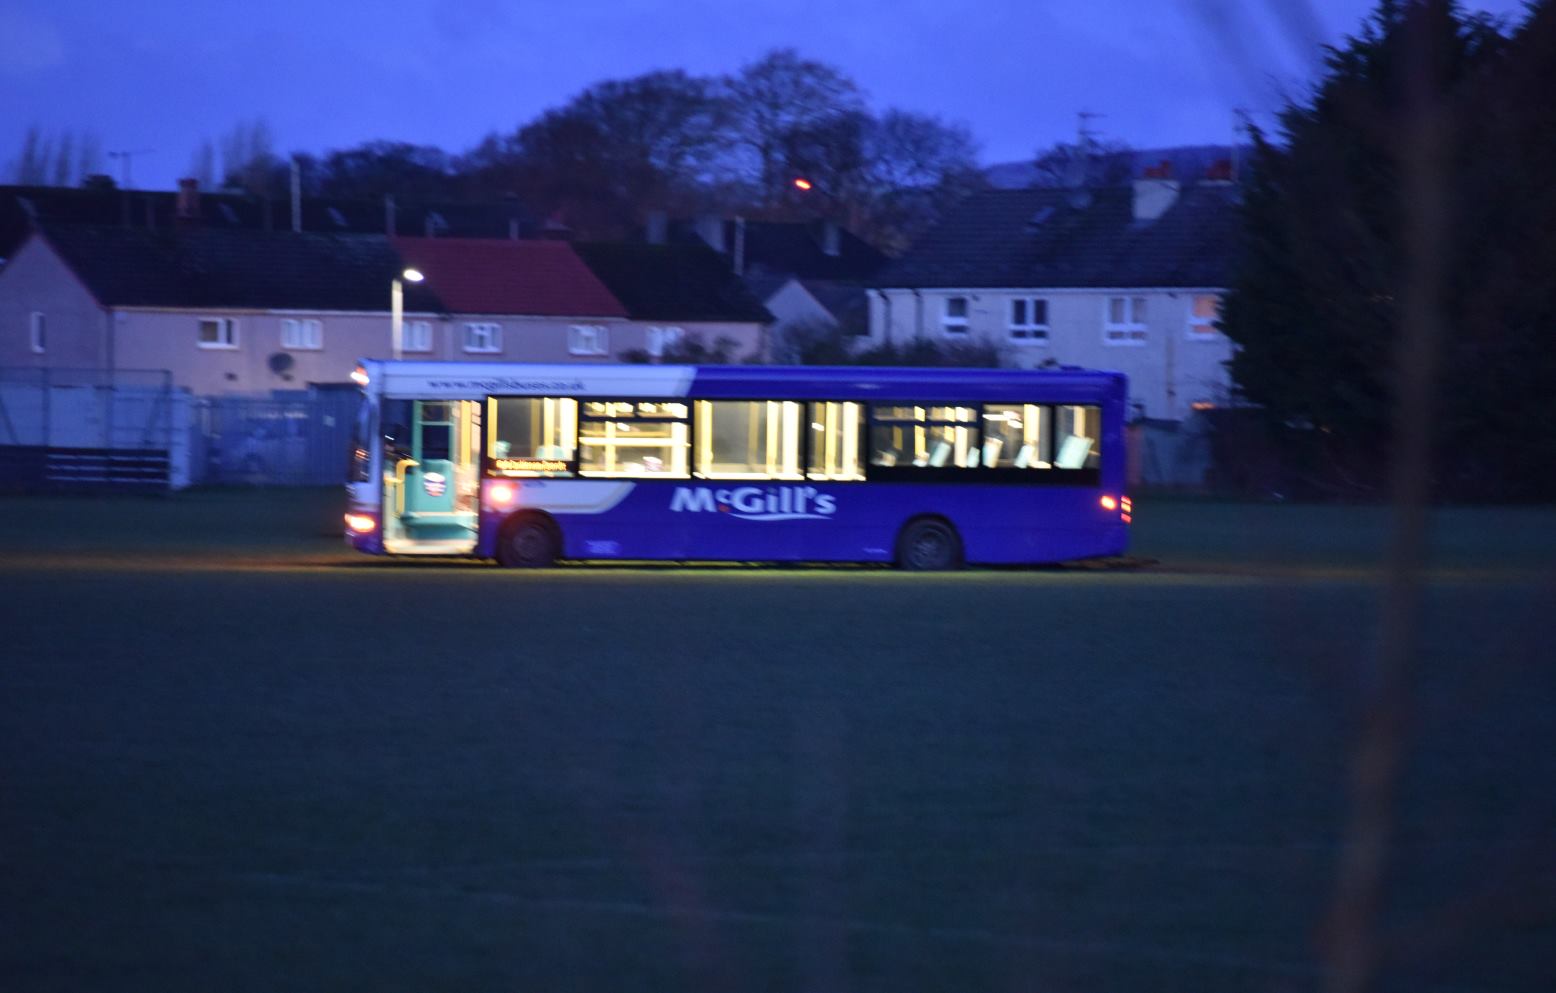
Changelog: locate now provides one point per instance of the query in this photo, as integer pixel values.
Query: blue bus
(921, 468)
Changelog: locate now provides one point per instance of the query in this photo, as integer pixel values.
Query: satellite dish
(280, 362)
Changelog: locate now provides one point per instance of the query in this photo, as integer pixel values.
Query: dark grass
(302, 772)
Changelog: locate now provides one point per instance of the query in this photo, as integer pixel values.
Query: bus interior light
(360, 523)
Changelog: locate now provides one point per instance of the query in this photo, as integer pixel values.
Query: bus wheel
(929, 546)
(528, 543)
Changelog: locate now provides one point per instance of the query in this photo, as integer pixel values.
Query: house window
(1204, 310)
(483, 338)
(218, 332)
(588, 339)
(1124, 322)
(1029, 320)
(955, 320)
(302, 333)
(416, 336)
(39, 334)
(661, 340)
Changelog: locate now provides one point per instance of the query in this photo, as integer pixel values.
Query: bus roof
(452, 380)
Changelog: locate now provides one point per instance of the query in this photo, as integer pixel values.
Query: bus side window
(926, 437)
(1078, 429)
(1017, 436)
(834, 441)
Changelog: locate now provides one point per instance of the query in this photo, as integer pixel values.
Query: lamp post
(397, 308)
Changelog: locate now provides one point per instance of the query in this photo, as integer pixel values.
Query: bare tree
(777, 96)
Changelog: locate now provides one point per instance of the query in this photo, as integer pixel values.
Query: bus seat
(972, 459)
(991, 451)
(939, 454)
(1072, 454)
(1024, 457)
(886, 458)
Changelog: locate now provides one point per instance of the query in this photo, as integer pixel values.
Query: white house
(1126, 278)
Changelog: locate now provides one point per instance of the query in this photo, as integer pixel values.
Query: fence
(92, 428)
(289, 438)
(134, 430)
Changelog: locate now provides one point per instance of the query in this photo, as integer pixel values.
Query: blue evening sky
(164, 75)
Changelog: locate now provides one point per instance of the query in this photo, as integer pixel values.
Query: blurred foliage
(1316, 305)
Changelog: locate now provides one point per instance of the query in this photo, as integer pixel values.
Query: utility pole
(126, 158)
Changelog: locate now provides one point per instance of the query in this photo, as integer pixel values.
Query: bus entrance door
(431, 485)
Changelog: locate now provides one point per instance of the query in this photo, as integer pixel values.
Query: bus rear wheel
(929, 546)
(529, 543)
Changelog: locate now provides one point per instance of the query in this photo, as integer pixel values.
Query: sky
(156, 78)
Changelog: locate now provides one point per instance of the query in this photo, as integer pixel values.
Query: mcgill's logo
(753, 503)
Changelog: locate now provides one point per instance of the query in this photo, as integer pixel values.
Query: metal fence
(79, 428)
(133, 429)
(288, 438)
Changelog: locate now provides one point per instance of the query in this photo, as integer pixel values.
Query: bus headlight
(500, 495)
(360, 523)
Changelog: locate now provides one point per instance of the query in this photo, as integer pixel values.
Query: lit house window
(1029, 320)
(218, 332)
(306, 334)
(661, 340)
(588, 339)
(955, 319)
(485, 338)
(39, 332)
(417, 336)
(1124, 322)
(1204, 309)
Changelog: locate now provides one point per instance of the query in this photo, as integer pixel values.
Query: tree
(376, 168)
(1315, 306)
(614, 151)
(1088, 162)
(249, 161)
(776, 97)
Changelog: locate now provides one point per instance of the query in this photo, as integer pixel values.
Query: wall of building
(160, 339)
(1172, 369)
(36, 280)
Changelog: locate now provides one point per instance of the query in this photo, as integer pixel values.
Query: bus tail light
(1108, 503)
(361, 523)
(500, 495)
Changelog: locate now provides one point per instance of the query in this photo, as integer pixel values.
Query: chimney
(556, 229)
(389, 225)
(831, 239)
(710, 228)
(187, 212)
(657, 228)
(1155, 192)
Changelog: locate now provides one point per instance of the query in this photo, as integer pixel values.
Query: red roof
(494, 276)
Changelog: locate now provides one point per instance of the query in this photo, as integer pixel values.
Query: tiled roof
(672, 282)
(156, 209)
(1066, 238)
(491, 276)
(202, 267)
(798, 249)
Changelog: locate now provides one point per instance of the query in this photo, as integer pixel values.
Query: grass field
(234, 756)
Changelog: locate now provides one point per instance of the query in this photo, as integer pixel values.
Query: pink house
(248, 312)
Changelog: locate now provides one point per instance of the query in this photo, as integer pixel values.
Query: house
(244, 312)
(685, 295)
(224, 311)
(807, 275)
(1126, 278)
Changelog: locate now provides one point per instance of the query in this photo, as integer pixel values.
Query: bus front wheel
(929, 546)
(529, 543)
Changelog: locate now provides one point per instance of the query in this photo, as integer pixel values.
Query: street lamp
(397, 307)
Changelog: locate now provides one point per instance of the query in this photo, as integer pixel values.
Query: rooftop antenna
(126, 157)
(1085, 143)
